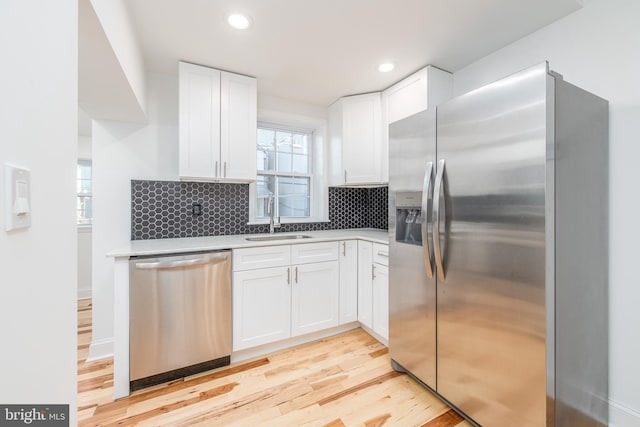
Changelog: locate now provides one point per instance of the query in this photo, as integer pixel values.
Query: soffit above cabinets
(317, 51)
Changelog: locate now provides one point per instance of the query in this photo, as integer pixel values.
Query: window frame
(317, 127)
(89, 163)
(278, 174)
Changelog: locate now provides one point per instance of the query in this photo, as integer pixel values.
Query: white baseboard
(84, 293)
(100, 349)
(384, 341)
(622, 416)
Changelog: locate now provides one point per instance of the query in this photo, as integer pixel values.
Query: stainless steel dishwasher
(180, 316)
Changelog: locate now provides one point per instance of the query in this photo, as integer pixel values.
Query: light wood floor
(345, 380)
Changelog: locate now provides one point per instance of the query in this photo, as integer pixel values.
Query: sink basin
(277, 237)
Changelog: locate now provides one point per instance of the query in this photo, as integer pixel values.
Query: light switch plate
(17, 197)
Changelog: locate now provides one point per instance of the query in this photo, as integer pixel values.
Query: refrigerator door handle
(426, 190)
(437, 250)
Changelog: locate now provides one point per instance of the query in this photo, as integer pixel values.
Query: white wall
(38, 127)
(598, 49)
(84, 147)
(116, 24)
(274, 103)
(110, 67)
(121, 152)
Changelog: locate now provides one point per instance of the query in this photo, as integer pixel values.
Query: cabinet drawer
(381, 254)
(314, 252)
(263, 257)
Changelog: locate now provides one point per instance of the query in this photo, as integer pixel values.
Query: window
(284, 169)
(83, 202)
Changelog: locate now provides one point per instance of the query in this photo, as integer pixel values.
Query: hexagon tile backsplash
(165, 209)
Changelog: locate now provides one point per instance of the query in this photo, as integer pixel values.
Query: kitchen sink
(277, 237)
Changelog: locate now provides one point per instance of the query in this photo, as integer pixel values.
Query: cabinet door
(314, 297)
(381, 300)
(407, 97)
(401, 100)
(199, 121)
(261, 306)
(361, 139)
(348, 281)
(238, 127)
(424, 89)
(365, 283)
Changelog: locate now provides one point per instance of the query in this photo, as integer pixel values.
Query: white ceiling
(315, 51)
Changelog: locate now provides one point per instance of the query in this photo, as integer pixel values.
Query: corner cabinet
(355, 140)
(423, 89)
(217, 122)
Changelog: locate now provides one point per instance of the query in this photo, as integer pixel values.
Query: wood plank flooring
(345, 380)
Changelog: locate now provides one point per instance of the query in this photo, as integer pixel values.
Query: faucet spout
(272, 224)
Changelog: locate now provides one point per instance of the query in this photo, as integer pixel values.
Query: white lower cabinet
(314, 297)
(348, 281)
(284, 300)
(285, 291)
(373, 287)
(365, 283)
(261, 306)
(380, 300)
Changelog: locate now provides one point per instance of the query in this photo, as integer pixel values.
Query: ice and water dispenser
(409, 217)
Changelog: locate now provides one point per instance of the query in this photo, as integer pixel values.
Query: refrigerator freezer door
(412, 294)
(491, 303)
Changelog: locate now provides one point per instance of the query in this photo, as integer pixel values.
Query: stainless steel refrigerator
(498, 251)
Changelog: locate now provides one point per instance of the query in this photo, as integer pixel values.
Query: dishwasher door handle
(180, 263)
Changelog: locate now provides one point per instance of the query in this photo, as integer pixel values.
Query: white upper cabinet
(359, 125)
(421, 90)
(355, 140)
(238, 122)
(217, 123)
(199, 105)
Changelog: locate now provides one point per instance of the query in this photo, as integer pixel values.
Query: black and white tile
(165, 209)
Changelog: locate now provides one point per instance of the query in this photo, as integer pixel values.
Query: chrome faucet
(272, 225)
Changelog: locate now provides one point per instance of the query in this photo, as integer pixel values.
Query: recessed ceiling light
(239, 21)
(386, 67)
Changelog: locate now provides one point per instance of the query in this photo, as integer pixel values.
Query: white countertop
(212, 243)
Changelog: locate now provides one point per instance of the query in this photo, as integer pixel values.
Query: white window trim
(319, 208)
(85, 228)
